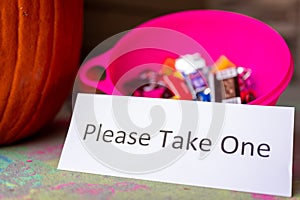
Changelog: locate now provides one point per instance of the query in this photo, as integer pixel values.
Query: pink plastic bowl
(244, 40)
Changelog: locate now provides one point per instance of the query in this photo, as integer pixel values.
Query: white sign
(237, 147)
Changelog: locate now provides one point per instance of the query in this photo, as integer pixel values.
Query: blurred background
(105, 18)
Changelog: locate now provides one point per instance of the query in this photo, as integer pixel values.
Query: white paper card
(237, 147)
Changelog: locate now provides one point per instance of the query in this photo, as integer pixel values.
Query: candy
(204, 95)
(148, 84)
(189, 63)
(168, 66)
(248, 95)
(245, 85)
(193, 67)
(188, 78)
(178, 87)
(223, 63)
(229, 84)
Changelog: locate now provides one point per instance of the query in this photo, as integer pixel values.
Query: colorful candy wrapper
(246, 87)
(148, 84)
(229, 84)
(196, 74)
(174, 80)
(227, 75)
(236, 86)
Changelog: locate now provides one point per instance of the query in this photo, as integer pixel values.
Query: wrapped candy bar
(175, 81)
(246, 91)
(196, 73)
(235, 82)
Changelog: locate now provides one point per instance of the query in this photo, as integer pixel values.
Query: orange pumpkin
(39, 52)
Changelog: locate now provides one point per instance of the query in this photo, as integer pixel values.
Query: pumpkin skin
(40, 45)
